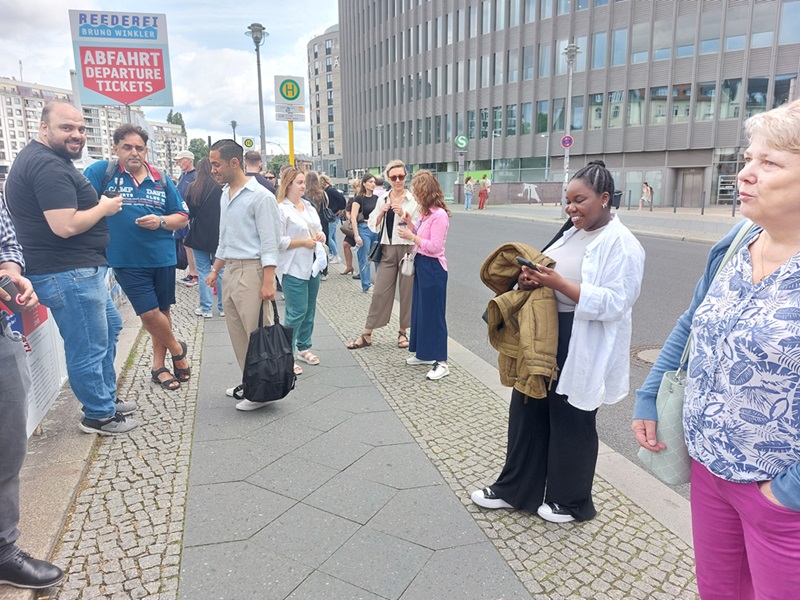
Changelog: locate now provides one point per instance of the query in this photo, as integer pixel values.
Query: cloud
(213, 64)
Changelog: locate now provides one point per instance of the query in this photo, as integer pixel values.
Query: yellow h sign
(289, 90)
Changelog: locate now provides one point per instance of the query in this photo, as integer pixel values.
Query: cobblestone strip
(461, 426)
(123, 537)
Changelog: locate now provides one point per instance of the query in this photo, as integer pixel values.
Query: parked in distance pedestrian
(741, 414)
(469, 189)
(553, 442)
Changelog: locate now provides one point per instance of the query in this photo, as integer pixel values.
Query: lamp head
(256, 31)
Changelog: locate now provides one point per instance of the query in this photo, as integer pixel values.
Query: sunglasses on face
(397, 177)
(270, 177)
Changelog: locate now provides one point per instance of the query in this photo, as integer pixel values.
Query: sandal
(167, 384)
(402, 340)
(307, 357)
(298, 370)
(360, 342)
(182, 375)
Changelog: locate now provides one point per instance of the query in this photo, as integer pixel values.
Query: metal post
(570, 52)
(546, 136)
(233, 127)
(495, 133)
(459, 185)
(256, 31)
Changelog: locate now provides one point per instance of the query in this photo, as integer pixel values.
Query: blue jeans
(301, 308)
(467, 200)
(332, 227)
(204, 260)
(89, 324)
(364, 267)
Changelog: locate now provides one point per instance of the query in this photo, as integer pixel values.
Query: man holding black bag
(249, 231)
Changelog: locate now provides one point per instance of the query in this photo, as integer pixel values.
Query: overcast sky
(213, 62)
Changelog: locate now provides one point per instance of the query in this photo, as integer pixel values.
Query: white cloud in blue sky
(213, 63)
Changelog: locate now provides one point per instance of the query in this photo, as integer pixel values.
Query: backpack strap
(111, 169)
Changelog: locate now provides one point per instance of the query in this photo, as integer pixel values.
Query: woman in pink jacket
(429, 234)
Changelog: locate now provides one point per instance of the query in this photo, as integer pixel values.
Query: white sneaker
(438, 371)
(201, 313)
(222, 313)
(413, 360)
(555, 513)
(335, 260)
(235, 392)
(247, 405)
(487, 499)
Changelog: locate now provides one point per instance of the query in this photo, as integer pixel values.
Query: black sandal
(360, 342)
(182, 375)
(167, 383)
(402, 339)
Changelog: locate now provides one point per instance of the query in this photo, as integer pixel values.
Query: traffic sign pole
(291, 143)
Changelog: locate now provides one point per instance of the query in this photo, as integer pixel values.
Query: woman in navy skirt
(429, 298)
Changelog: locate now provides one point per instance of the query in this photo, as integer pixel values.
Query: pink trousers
(745, 546)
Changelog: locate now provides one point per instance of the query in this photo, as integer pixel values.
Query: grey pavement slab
(401, 466)
(351, 497)
(375, 428)
(320, 586)
(333, 449)
(293, 477)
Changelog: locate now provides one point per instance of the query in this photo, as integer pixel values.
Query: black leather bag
(325, 213)
(376, 252)
(269, 363)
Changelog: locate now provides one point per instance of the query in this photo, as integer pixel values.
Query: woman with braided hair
(552, 442)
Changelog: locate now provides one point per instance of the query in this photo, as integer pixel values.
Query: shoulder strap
(110, 170)
(735, 246)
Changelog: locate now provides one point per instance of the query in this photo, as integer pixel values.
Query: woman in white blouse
(298, 267)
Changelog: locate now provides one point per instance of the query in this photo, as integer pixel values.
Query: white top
(409, 205)
(597, 369)
(569, 258)
(297, 262)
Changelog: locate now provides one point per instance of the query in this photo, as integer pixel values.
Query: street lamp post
(570, 52)
(233, 127)
(546, 136)
(256, 31)
(495, 133)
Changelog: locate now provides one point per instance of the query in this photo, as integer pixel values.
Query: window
(437, 32)
(635, 107)
(427, 83)
(757, 88)
(513, 13)
(419, 132)
(658, 104)
(577, 112)
(580, 59)
(595, 111)
(685, 36)
(704, 102)
(472, 74)
(471, 124)
(640, 43)
(402, 134)
(619, 46)
(331, 147)
(328, 46)
(497, 119)
(789, 32)
(763, 27)
(330, 98)
(599, 50)
(544, 60)
(710, 25)
(330, 130)
(545, 9)
(473, 21)
(511, 119)
(736, 27)
(782, 92)
(427, 130)
(562, 8)
(448, 128)
(499, 15)
(615, 101)
(330, 114)
(486, 20)
(681, 102)
(460, 76)
(662, 40)
(498, 68)
(437, 129)
(329, 82)
(485, 71)
(484, 123)
(730, 99)
(461, 18)
(529, 11)
(558, 114)
(448, 28)
(542, 116)
(561, 57)
(527, 63)
(526, 117)
(513, 65)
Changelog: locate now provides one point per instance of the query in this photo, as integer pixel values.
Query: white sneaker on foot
(247, 405)
(413, 360)
(235, 392)
(488, 499)
(555, 513)
(438, 371)
(201, 313)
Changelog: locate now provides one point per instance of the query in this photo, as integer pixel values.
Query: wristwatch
(162, 224)
(213, 270)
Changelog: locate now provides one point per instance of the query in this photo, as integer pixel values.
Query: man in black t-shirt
(61, 226)
(252, 168)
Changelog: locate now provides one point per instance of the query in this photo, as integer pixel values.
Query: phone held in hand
(526, 263)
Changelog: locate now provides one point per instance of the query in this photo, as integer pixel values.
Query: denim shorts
(148, 288)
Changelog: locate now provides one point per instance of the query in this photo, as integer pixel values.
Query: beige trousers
(380, 310)
(241, 300)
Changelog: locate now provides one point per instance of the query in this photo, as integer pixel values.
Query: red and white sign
(123, 74)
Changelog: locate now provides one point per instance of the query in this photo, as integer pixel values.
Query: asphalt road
(672, 269)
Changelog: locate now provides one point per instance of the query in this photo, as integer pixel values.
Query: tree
(176, 118)
(276, 163)
(199, 148)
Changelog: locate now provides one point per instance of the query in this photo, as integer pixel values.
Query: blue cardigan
(786, 485)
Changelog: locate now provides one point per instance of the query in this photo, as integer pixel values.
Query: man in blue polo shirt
(142, 248)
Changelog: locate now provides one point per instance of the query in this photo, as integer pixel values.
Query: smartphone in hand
(526, 263)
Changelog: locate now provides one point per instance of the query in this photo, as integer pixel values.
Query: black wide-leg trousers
(552, 448)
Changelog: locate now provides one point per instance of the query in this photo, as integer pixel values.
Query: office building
(660, 90)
